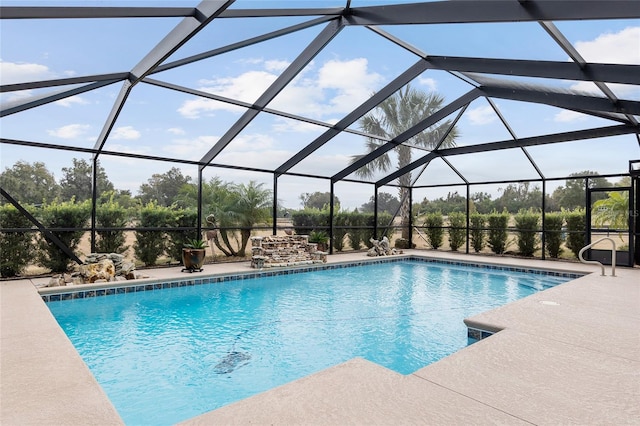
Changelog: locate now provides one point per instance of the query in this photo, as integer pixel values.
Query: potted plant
(321, 238)
(193, 254)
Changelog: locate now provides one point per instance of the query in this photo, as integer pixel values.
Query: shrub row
(67, 221)
(20, 246)
(492, 230)
(356, 228)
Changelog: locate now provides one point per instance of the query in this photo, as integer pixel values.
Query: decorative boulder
(102, 270)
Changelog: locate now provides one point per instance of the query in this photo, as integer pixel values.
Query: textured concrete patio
(568, 355)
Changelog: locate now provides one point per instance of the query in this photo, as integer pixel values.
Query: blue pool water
(167, 355)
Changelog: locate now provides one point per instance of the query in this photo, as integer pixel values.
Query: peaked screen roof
(281, 87)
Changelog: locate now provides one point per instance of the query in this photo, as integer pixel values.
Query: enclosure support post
(331, 215)
(587, 212)
(544, 213)
(375, 213)
(94, 201)
(275, 204)
(199, 224)
(410, 217)
(468, 213)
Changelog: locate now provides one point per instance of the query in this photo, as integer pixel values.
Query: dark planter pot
(193, 259)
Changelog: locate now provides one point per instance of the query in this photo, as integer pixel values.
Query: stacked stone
(289, 250)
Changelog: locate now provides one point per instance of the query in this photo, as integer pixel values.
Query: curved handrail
(595, 262)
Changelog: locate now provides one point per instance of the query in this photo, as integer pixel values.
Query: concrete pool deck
(568, 355)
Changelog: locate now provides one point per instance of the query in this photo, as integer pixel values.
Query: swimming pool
(168, 355)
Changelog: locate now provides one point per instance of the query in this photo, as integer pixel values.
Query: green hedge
(111, 215)
(16, 248)
(477, 233)
(497, 239)
(68, 214)
(181, 218)
(308, 220)
(576, 227)
(358, 236)
(457, 230)
(357, 226)
(434, 230)
(151, 244)
(340, 231)
(554, 237)
(527, 223)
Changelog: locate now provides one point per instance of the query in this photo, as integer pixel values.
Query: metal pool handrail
(595, 262)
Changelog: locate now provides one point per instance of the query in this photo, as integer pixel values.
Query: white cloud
(133, 162)
(352, 80)
(11, 98)
(70, 131)
(191, 149)
(271, 158)
(481, 115)
(567, 116)
(67, 102)
(276, 65)
(12, 72)
(590, 88)
(195, 108)
(587, 87)
(336, 87)
(176, 131)
(622, 47)
(619, 48)
(125, 132)
(252, 142)
(429, 82)
(139, 149)
(284, 125)
(250, 61)
(323, 163)
(246, 87)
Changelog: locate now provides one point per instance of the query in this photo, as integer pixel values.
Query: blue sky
(355, 64)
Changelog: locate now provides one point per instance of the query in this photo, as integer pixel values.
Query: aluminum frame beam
(473, 11)
(559, 38)
(241, 44)
(505, 123)
(610, 73)
(62, 82)
(206, 12)
(36, 101)
(571, 101)
(55, 12)
(45, 231)
(187, 28)
(599, 132)
(247, 105)
(33, 12)
(411, 73)
(463, 100)
(327, 34)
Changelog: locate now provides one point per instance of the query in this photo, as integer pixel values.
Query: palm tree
(251, 206)
(612, 211)
(396, 114)
(232, 207)
(236, 207)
